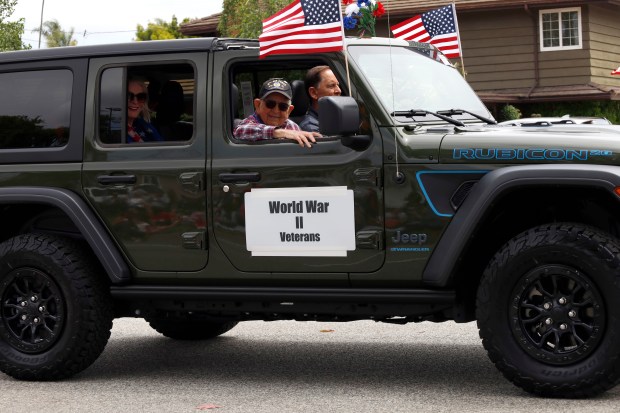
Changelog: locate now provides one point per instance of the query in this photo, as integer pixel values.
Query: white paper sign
(317, 222)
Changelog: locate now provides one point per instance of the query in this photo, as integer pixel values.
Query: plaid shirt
(253, 129)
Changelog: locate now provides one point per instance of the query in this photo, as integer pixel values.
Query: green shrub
(606, 109)
(509, 112)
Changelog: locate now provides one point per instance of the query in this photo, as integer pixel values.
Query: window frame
(73, 150)
(559, 12)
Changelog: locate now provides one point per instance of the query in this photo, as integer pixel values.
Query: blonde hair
(144, 112)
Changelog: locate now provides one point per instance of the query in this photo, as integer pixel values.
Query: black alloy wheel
(558, 317)
(33, 310)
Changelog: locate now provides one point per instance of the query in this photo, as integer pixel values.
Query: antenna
(399, 177)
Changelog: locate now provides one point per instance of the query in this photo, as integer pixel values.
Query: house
(203, 27)
(520, 51)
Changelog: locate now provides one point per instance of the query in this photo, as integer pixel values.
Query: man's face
(328, 86)
(274, 115)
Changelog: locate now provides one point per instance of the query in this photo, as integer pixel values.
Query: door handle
(116, 179)
(231, 178)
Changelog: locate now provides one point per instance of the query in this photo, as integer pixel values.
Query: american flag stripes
(304, 26)
(437, 27)
(616, 72)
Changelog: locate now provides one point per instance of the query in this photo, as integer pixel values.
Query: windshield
(414, 81)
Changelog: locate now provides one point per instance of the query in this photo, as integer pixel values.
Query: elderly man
(270, 118)
(319, 81)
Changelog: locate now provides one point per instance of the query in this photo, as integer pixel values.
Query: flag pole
(458, 36)
(344, 49)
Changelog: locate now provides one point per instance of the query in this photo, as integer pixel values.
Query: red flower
(379, 11)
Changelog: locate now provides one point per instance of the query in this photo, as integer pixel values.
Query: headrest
(300, 98)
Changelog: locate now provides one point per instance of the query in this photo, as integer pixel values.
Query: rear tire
(548, 310)
(55, 309)
(190, 329)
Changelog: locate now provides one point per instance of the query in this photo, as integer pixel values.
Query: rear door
(151, 195)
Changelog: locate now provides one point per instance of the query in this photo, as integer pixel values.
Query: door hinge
(369, 240)
(192, 181)
(194, 240)
(367, 176)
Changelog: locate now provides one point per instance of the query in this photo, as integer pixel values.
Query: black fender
(82, 217)
(440, 267)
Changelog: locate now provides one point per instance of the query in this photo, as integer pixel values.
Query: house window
(560, 29)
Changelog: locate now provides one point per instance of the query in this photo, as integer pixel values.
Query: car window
(35, 108)
(247, 78)
(152, 104)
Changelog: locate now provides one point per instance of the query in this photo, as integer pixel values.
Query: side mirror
(339, 115)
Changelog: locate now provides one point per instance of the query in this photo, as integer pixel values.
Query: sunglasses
(281, 105)
(140, 97)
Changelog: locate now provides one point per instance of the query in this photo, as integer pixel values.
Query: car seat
(171, 107)
(300, 101)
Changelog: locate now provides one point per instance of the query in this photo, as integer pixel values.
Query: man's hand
(303, 138)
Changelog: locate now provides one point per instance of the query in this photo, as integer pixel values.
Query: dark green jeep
(414, 206)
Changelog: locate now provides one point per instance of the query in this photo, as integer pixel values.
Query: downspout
(536, 51)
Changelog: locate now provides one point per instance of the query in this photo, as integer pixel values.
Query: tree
(55, 36)
(242, 18)
(160, 30)
(10, 32)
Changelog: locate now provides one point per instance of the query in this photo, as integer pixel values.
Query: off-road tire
(548, 311)
(190, 329)
(55, 309)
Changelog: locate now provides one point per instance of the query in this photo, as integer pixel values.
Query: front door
(298, 196)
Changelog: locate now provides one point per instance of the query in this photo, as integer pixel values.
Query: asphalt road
(293, 367)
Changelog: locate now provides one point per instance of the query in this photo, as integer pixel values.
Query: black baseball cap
(276, 85)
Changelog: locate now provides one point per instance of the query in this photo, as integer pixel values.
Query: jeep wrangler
(413, 206)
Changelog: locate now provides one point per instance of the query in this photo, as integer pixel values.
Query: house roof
(205, 26)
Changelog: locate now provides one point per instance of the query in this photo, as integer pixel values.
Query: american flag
(616, 72)
(304, 26)
(437, 27)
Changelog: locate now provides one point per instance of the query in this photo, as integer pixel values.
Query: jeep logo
(402, 238)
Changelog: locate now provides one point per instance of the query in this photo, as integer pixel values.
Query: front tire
(548, 310)
(55, 311)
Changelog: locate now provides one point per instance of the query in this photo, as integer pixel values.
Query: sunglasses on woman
(281, 105)
(140, 97)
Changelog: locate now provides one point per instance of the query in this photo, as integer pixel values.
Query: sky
(108, 21)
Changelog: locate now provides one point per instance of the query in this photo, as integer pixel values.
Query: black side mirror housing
(339, 115)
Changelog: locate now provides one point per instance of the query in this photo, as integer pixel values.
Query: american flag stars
(321, 11)
(439, 21)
